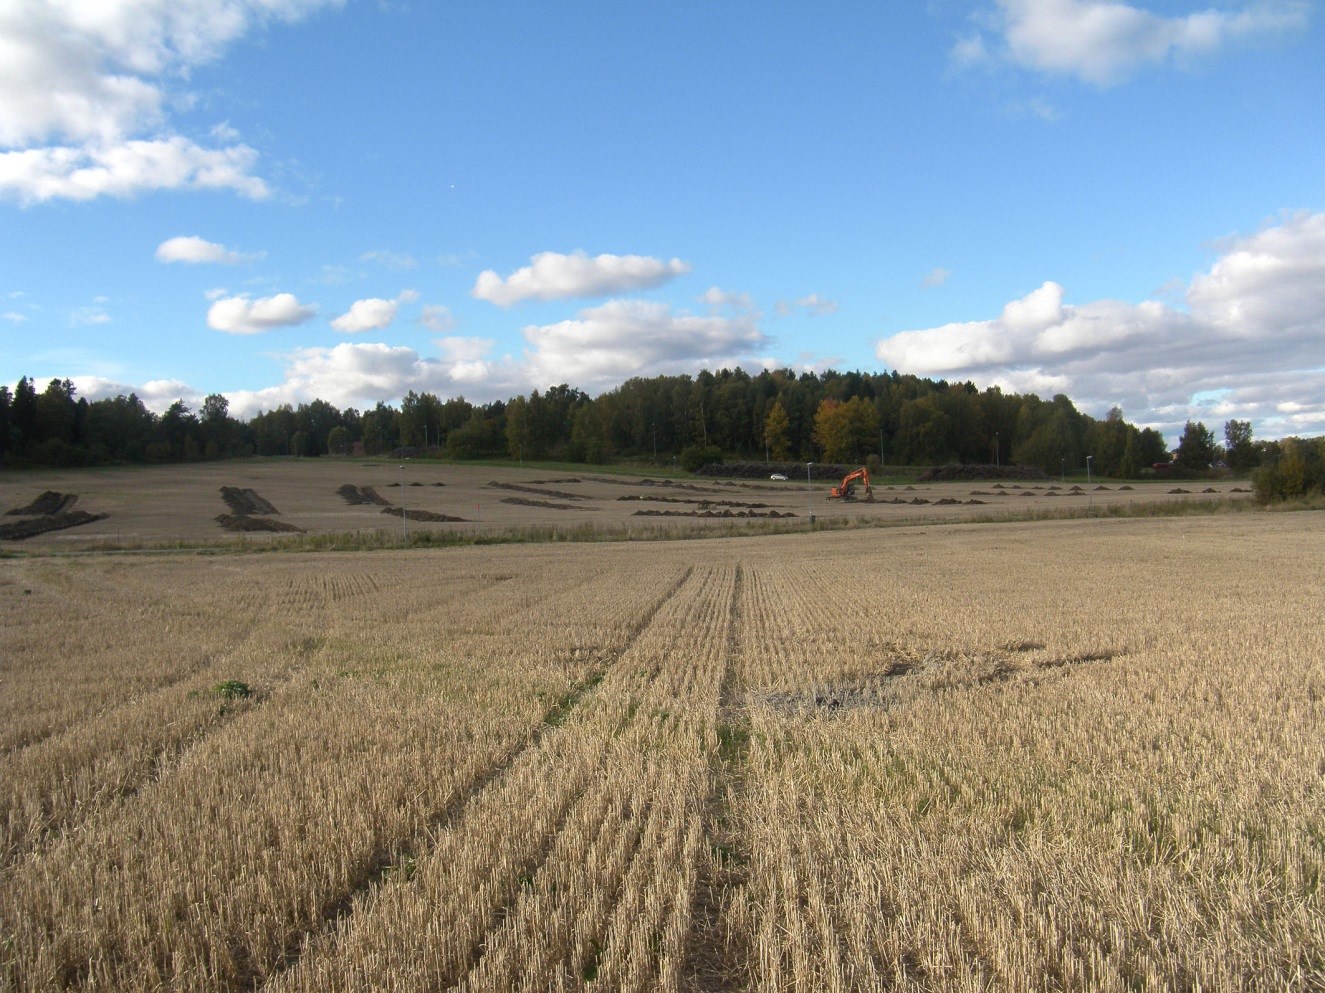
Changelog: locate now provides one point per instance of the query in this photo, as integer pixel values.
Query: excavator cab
(846, 491)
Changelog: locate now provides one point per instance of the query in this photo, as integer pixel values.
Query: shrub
(697, 456)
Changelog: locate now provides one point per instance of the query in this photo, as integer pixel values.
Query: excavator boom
(846, 491)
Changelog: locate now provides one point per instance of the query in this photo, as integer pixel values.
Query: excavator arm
(846, 490)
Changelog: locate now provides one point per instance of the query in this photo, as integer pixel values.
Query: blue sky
(280, 200)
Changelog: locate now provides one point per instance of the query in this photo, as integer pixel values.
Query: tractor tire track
(716, 955)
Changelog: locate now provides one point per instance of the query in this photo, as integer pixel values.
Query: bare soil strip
(427, 516)
(21, 530)
(728, 512)
(246, 501)
(360, 495)
(699, 502)
(538, 491)
(48, 503)
(545, 504)
(243, 522)
(396, 857)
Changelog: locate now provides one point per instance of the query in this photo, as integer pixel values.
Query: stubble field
(1039, 756)
(217, 502)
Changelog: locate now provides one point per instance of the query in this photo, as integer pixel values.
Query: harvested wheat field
(1076, 755)
(210, 501)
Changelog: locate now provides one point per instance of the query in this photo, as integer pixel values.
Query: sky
(286, 200)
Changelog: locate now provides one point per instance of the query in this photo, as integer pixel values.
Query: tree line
(779, 415)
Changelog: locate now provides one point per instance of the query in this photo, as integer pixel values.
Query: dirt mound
(546, 504)
(970, 473)
(537, 491)
(1178, 489)
(48, 503)
(701, 503)
(359, 495)
(426, 516)
(246, 501)
(243, 522)
(712, 513)
(20, 530)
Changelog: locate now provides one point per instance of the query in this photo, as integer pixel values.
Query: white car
(779, 477)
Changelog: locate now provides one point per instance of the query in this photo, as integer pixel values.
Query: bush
(697, 456)
(233, 689)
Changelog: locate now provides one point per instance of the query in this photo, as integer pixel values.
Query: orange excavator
(847, 490)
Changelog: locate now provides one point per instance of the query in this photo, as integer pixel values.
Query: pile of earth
(249, 512)
(762, 470)
(245, 522)
(703, 504)
(47, 504)
(49, 512)
(426, 516)
(970, 473)
(359, 495)
(538, 491)
(546, 504)
(711, 513)
(246, 501)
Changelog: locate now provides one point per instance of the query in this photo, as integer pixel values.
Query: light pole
(1064, 461)
(809, 506)
(997, 453)
(1088, 487)
(404, 521)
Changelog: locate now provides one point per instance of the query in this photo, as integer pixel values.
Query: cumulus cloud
(372, 314)
(935, 277)
(195, 250)
(126, 169)
(1103, 42)
(437, 318)
(554, 276)
(156, 394)
(622, 338)
(240, 315)
(812, 305)
(85, 92)
(1252, 334)
(719, 298)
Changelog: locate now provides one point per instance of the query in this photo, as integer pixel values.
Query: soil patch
(426, 516)
(967, 473)
(243, 522)
(537, 491)
(546, 504)
(48, 503)
(701, 503)
(246, 501)
(360, 495)
(20, 530)
(712, 513)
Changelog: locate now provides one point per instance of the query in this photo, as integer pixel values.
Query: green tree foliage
(1239, 451)
(1197, 448)
(777, 427)
(1297, 470)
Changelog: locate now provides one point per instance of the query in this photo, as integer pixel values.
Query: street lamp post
(404, 520)
(809, 506)
(1088, 486)
(997, 453)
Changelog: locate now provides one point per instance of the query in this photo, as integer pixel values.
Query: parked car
(779, 477)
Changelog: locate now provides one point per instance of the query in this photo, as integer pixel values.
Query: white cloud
(1253, 332)
(192, 249)
(719, 298)
(1103, 42)
(372, 314)
(126, 169)
(936, 277)
(88, 316)
(813, 305)
(554, 276)
(83, 85)
(622, 338)
(240, 315)
(392, 260)
(437, 318)
(157, 394)
(13, 317)
(215, 293)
